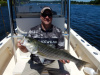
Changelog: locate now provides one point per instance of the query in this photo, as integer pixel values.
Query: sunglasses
(47, 14)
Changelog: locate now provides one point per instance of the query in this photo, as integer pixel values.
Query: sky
(82, 0)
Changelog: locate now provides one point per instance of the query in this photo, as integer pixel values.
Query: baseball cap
(46, 8)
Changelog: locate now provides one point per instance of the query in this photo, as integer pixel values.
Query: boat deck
(76, 49)
(22, 58)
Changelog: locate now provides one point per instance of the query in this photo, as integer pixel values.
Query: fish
(45, 51)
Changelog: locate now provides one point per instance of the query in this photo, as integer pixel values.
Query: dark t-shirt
(52, 37)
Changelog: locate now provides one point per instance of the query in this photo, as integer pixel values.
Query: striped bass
(45, 51)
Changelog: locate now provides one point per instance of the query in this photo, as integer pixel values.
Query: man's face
(46, 17)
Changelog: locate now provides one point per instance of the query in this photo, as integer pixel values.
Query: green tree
(94, 2)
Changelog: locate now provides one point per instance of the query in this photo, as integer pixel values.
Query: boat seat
(24, 24)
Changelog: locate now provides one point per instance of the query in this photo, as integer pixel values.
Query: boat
(12, 60)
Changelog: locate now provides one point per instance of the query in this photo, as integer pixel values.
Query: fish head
(30, 40)
(29, 43)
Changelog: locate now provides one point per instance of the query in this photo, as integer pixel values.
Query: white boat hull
(79, 48)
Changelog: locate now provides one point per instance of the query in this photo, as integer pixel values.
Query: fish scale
(52, 52)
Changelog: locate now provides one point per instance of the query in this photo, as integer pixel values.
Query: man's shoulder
(35, 27)
(57, 28)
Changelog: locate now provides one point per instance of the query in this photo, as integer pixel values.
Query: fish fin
(80, 64)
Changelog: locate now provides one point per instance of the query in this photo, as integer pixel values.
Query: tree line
(95, 2)
(3, 2)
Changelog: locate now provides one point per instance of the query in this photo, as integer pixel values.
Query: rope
(3, 21)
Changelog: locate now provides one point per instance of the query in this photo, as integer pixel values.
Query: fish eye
(29, 41)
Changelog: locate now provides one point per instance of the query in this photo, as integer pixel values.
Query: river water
(85, 20)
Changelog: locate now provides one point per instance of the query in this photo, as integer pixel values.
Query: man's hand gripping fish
(40, 49)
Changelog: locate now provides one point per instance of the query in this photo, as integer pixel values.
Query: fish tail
(80, 64)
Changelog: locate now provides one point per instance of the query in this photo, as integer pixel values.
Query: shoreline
(4, 3)
(87, 4)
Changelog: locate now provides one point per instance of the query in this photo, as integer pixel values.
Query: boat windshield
(35, 6)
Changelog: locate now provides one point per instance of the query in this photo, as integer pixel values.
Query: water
(85, 20)
(6, 20)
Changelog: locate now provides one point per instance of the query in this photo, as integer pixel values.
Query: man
(50, 35)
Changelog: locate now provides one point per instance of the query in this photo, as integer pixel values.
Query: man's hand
(21, 47)
(63, 61)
